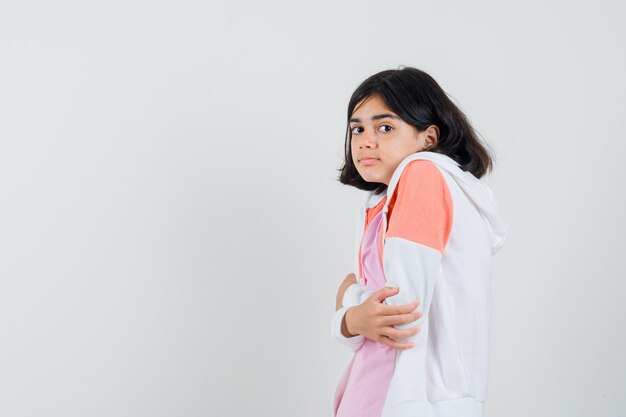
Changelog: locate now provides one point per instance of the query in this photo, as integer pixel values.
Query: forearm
(344, 326)
(336, 330)
(348, 297)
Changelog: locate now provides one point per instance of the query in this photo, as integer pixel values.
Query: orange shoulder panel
(420, 209)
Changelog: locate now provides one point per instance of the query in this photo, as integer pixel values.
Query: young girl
(426, 235)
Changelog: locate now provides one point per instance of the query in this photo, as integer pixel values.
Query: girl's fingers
(384, 292)
(398, 334)
(387, 341)
(401, 309)
(400, 318)
(403, 334)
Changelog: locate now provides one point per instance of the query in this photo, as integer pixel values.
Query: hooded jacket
(443, 230)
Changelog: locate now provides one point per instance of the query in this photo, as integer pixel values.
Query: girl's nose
(366, 139)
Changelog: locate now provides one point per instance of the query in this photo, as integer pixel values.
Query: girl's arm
(418, 231)
(336, 330)
(349, 295)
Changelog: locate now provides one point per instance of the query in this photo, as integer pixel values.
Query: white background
(172, 235)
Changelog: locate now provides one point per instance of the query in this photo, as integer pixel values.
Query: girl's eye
(359, 127)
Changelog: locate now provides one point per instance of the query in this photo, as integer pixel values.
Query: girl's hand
(348, 280)
(375, 319)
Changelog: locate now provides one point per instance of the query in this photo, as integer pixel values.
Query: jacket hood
(475, 189)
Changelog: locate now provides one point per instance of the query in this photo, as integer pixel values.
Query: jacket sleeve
(420, 221)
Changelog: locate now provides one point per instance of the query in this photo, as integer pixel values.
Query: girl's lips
(369, 161)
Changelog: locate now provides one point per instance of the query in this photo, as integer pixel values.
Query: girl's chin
(375, 179)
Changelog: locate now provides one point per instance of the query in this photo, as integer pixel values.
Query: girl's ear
(432, 136)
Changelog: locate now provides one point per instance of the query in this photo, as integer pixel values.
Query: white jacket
(445, 373)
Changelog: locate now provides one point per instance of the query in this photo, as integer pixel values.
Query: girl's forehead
(372, 109)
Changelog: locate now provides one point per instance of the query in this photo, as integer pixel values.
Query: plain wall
(172, 235)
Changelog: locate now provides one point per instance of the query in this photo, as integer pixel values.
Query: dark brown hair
(418, 100)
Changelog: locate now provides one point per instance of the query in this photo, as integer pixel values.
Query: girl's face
(381, 140)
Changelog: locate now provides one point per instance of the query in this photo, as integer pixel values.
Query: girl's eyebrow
(377, 117)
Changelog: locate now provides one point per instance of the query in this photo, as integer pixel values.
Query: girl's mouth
(368, 161)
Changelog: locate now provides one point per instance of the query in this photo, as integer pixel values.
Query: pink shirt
(373, 364)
